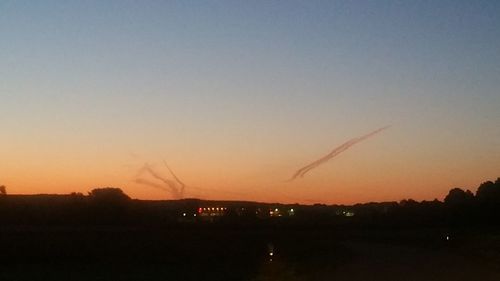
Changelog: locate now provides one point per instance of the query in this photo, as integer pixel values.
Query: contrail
(168, 185)
(176, 188)
(302, 171)
(183, 186)
(152, 184)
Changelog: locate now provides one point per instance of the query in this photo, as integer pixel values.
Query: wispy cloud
(302, 171)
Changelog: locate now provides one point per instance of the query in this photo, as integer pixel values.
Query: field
(236, 253)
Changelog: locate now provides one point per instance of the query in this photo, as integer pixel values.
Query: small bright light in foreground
(270, 251)
(447, 238)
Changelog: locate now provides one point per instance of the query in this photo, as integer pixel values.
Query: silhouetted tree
(109, 205)
(410, 203)
(459, 197)
(108, 195)
(3, 190)
(489, 192)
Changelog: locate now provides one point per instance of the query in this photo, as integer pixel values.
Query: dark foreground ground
(225, 253)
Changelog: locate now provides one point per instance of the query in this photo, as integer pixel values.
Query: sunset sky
(238, 95)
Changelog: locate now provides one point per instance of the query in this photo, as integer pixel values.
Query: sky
(236, 96)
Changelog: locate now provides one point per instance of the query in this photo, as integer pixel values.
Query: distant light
(199, 210)
(291, 210)
(349, 214)
(276, 209)
(194, 215)
(447, 238)
(271, 254)
(183, 214)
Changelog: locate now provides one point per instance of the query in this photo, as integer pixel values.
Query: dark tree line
(487, 194)
(459, 208)
(111, 206)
